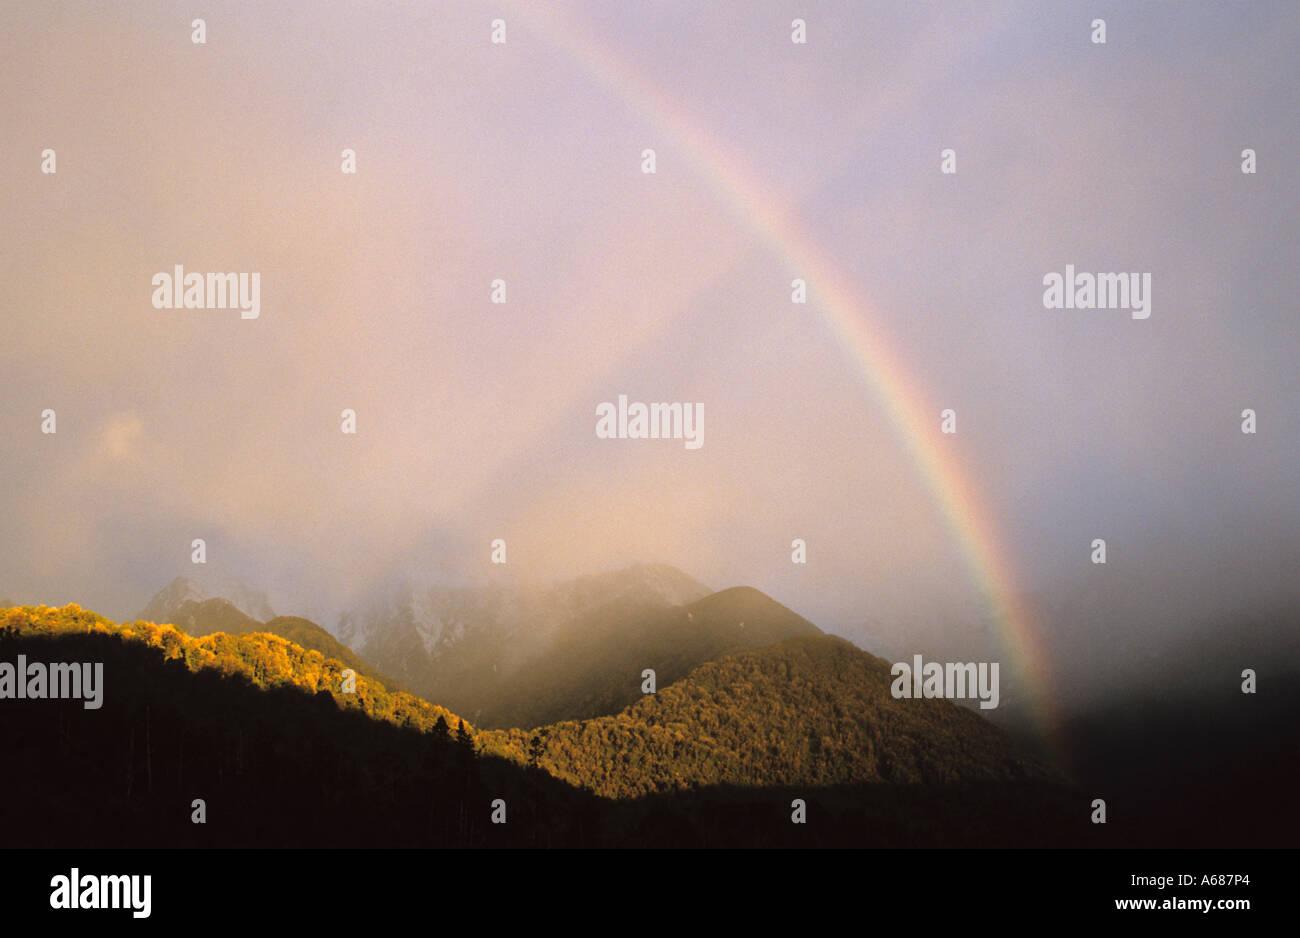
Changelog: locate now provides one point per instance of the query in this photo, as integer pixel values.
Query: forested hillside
(258, 729)
(201, 617)
(813, 711)
(263, 659)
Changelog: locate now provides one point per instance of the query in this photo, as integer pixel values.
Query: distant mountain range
(595, 662)
(468, 646)
(181, 590)
(745, 690)
(519, 657)
(184, 604)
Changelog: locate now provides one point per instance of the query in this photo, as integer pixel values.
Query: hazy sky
(519, 161)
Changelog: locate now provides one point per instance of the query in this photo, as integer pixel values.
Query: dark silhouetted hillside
(235, 722)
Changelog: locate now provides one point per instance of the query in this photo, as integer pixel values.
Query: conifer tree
(441, 731)
(463, 738)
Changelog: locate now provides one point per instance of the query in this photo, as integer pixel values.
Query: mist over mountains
(524, 656)
(165, 603)
(508, 654)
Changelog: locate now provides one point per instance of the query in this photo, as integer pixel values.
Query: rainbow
(914, 419)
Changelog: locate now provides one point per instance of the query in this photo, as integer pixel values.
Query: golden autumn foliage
(264, 659)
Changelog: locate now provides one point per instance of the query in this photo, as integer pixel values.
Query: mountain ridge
(596, 666)
(163, 605)
(812, 710)
(200, 618)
